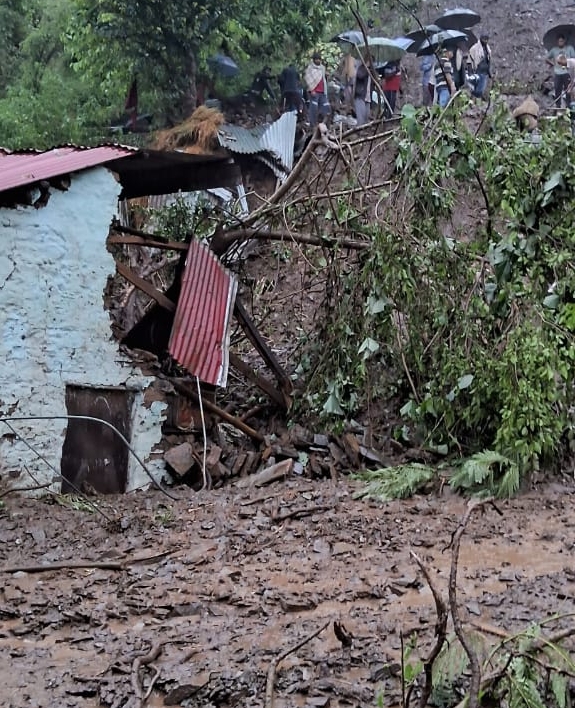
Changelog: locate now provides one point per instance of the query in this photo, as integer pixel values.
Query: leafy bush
(469, 323)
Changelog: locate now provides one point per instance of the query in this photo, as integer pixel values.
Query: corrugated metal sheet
(275, 138)
(279, 139)
(20, 168)
(200, 337)
(246, 141)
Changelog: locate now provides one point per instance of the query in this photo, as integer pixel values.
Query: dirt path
(241, 583)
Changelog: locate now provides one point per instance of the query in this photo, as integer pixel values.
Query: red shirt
(392, 83)
(320, 88)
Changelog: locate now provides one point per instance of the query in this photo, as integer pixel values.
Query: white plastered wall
(54, 329)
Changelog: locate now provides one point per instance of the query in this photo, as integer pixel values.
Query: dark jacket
(289, 80)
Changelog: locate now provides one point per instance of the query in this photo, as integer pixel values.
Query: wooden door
(93, 455)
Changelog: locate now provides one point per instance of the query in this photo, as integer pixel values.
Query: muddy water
(238, 587)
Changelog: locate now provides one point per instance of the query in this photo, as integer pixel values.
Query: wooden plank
(258, 380)
(145, 287)
(141, 241)
(137, 232)
(266, 353)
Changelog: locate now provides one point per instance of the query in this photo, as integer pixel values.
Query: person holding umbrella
(362, 94)
(480, 60)
(443, 74)
(561, 77)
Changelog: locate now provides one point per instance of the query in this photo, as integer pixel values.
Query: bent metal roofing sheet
(201, 331)
(20, 168)
(275, 138)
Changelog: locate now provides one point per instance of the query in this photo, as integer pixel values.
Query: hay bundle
(199, 130)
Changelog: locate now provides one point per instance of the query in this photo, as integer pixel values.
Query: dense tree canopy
(65, 65)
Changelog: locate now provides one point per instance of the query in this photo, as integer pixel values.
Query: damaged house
(78, 410)
(60, 358)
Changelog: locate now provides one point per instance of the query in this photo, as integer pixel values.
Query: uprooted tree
(448, 285)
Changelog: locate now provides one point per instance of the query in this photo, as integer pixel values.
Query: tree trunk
(190, 96)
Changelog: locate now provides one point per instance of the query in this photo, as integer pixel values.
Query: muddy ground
(235, 576)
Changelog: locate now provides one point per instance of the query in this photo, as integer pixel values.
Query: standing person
(316, 84)
(427, 87)
(362, 94)
(290, 87)
(348, 77)
(561, 77)
(442, 72)
(458, 63)
(391, 85)
(480, 59)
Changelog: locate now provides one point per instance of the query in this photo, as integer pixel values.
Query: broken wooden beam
(265, 386)
(216, 410)
(145, 287)
(137, 232)
(266, 353)
(140, 241)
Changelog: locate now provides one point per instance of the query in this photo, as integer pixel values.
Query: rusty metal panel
(20, 168)
(201, 331)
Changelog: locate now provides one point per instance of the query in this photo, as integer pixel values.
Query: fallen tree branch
(288, 184)
(440, 632)
(475, 684)
(271, 675)
(300, 512)
(74, 565)
(140, 661)
(239, 235)
(25, 489)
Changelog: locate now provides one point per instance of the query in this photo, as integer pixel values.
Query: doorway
(94, 457)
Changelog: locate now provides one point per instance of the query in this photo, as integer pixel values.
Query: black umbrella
(420, 35)
(444, 39)
(223, 65)
(550, 37)
(348, 37)
(458, 19)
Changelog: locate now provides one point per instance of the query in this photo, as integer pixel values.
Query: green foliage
(174, 221)
(487, 473)
(394, 482)
(166, 43)
(533, 671)
(472, 332)
(13, 31)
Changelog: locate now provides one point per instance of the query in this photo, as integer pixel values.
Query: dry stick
(475, 684)
(25, 489)
(271, 675)
(287, 185)
(280, 235)
(105, 565)
(140, 661)
(299, 512)
(440, 632)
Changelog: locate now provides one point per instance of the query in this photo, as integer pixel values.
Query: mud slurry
(250, 573)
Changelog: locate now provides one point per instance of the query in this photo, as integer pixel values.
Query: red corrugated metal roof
(200, 335)
(20, 168)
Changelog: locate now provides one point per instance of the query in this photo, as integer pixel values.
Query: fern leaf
(394, 482)
(559, 688)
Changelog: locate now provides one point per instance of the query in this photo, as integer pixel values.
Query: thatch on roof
(198, 133)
